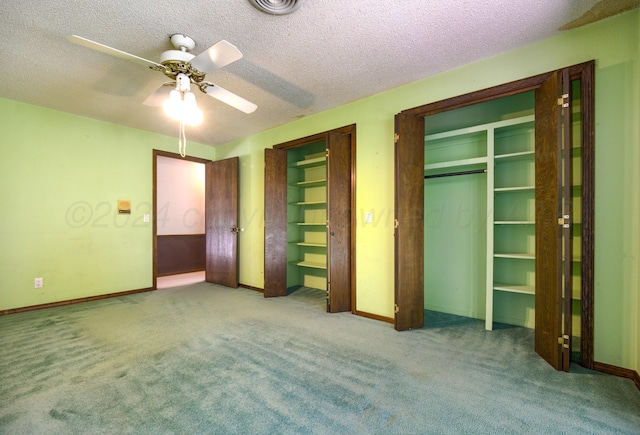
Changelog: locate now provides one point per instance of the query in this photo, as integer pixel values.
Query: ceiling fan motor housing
(178, 61)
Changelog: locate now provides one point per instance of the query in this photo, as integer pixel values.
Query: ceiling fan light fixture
(191, 114)
(172, 106)
(182, 107)
(276, 7)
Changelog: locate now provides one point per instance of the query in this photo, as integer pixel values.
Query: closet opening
(494, 211)
(479, 232)
(309, 224)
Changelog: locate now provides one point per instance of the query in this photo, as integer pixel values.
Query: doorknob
(235, 229)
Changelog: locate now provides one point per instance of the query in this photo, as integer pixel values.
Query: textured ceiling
(326, 54)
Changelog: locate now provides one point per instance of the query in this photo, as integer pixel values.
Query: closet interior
(307, 217)
(480, 212)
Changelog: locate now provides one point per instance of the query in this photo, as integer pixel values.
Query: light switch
(368, 217)
(145, 217)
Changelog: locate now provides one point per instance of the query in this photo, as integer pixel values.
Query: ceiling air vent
(276, 7)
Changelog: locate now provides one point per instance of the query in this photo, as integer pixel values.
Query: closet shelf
(310, 264)
(514, 223)
(523, 289)
(524, 256)
(309, 203)
(311, 183)
(313, 245)
(456, 163)
(525, 155)
(308, 163)
(514, 189)
(311, 223)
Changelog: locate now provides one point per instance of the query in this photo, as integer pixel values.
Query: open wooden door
(338, 222)
(409, 222)
(547, 303)
(554, 290)
(221, 222)
(275, 222)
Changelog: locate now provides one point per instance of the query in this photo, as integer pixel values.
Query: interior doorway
(178, 220)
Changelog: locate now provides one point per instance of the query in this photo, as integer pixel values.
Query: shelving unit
(513, 269)
(505, 150)
(307, 217)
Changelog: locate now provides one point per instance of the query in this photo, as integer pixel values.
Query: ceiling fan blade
(229, 98)
(220, 54)
(84, 42)
(159, 95)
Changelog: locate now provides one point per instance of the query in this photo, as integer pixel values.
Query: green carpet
(207, 359)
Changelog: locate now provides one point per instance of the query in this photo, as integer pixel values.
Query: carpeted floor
(208, 359)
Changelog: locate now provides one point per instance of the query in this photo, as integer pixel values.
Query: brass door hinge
(564, 101)
(396, 137)
(396, 309)
(395, 223)
(565, 221)
(564, 341)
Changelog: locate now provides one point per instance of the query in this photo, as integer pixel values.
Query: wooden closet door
(548, 326)
(275, 222)
(339, 222)
(409, 222)
(221, 221)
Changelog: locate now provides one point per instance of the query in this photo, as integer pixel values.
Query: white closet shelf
(313, 245)
(525, 155)
(310, 183)
(524, 289)
(481, 127)
(317, 161)
(309, 203)
(311, 223)
(310, 264)
(456, 163)
(524, 256)
(515, 189)
(514, 223)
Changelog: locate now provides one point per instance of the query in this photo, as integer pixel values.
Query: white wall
(180, 204)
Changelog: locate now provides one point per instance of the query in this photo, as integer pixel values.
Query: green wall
(61, 178)
(613, 43)
(63, 174)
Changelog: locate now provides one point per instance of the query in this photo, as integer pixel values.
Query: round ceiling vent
(276, 7)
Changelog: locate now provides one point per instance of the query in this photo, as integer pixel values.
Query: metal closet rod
(451, 174)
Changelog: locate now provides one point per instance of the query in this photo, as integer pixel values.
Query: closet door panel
(339, 217)
(221, 221)
(547, 303)
(409, 216)
(275, 222)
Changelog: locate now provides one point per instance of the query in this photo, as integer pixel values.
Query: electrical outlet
(38, 283)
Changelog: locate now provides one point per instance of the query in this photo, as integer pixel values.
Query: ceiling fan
(183, 68)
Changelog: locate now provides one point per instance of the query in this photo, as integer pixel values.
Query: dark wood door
(409, 222)
(339, 222)
(221, 222)
(275, 222)
(548, 326)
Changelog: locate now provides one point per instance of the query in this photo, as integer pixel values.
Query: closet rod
(450, 174)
